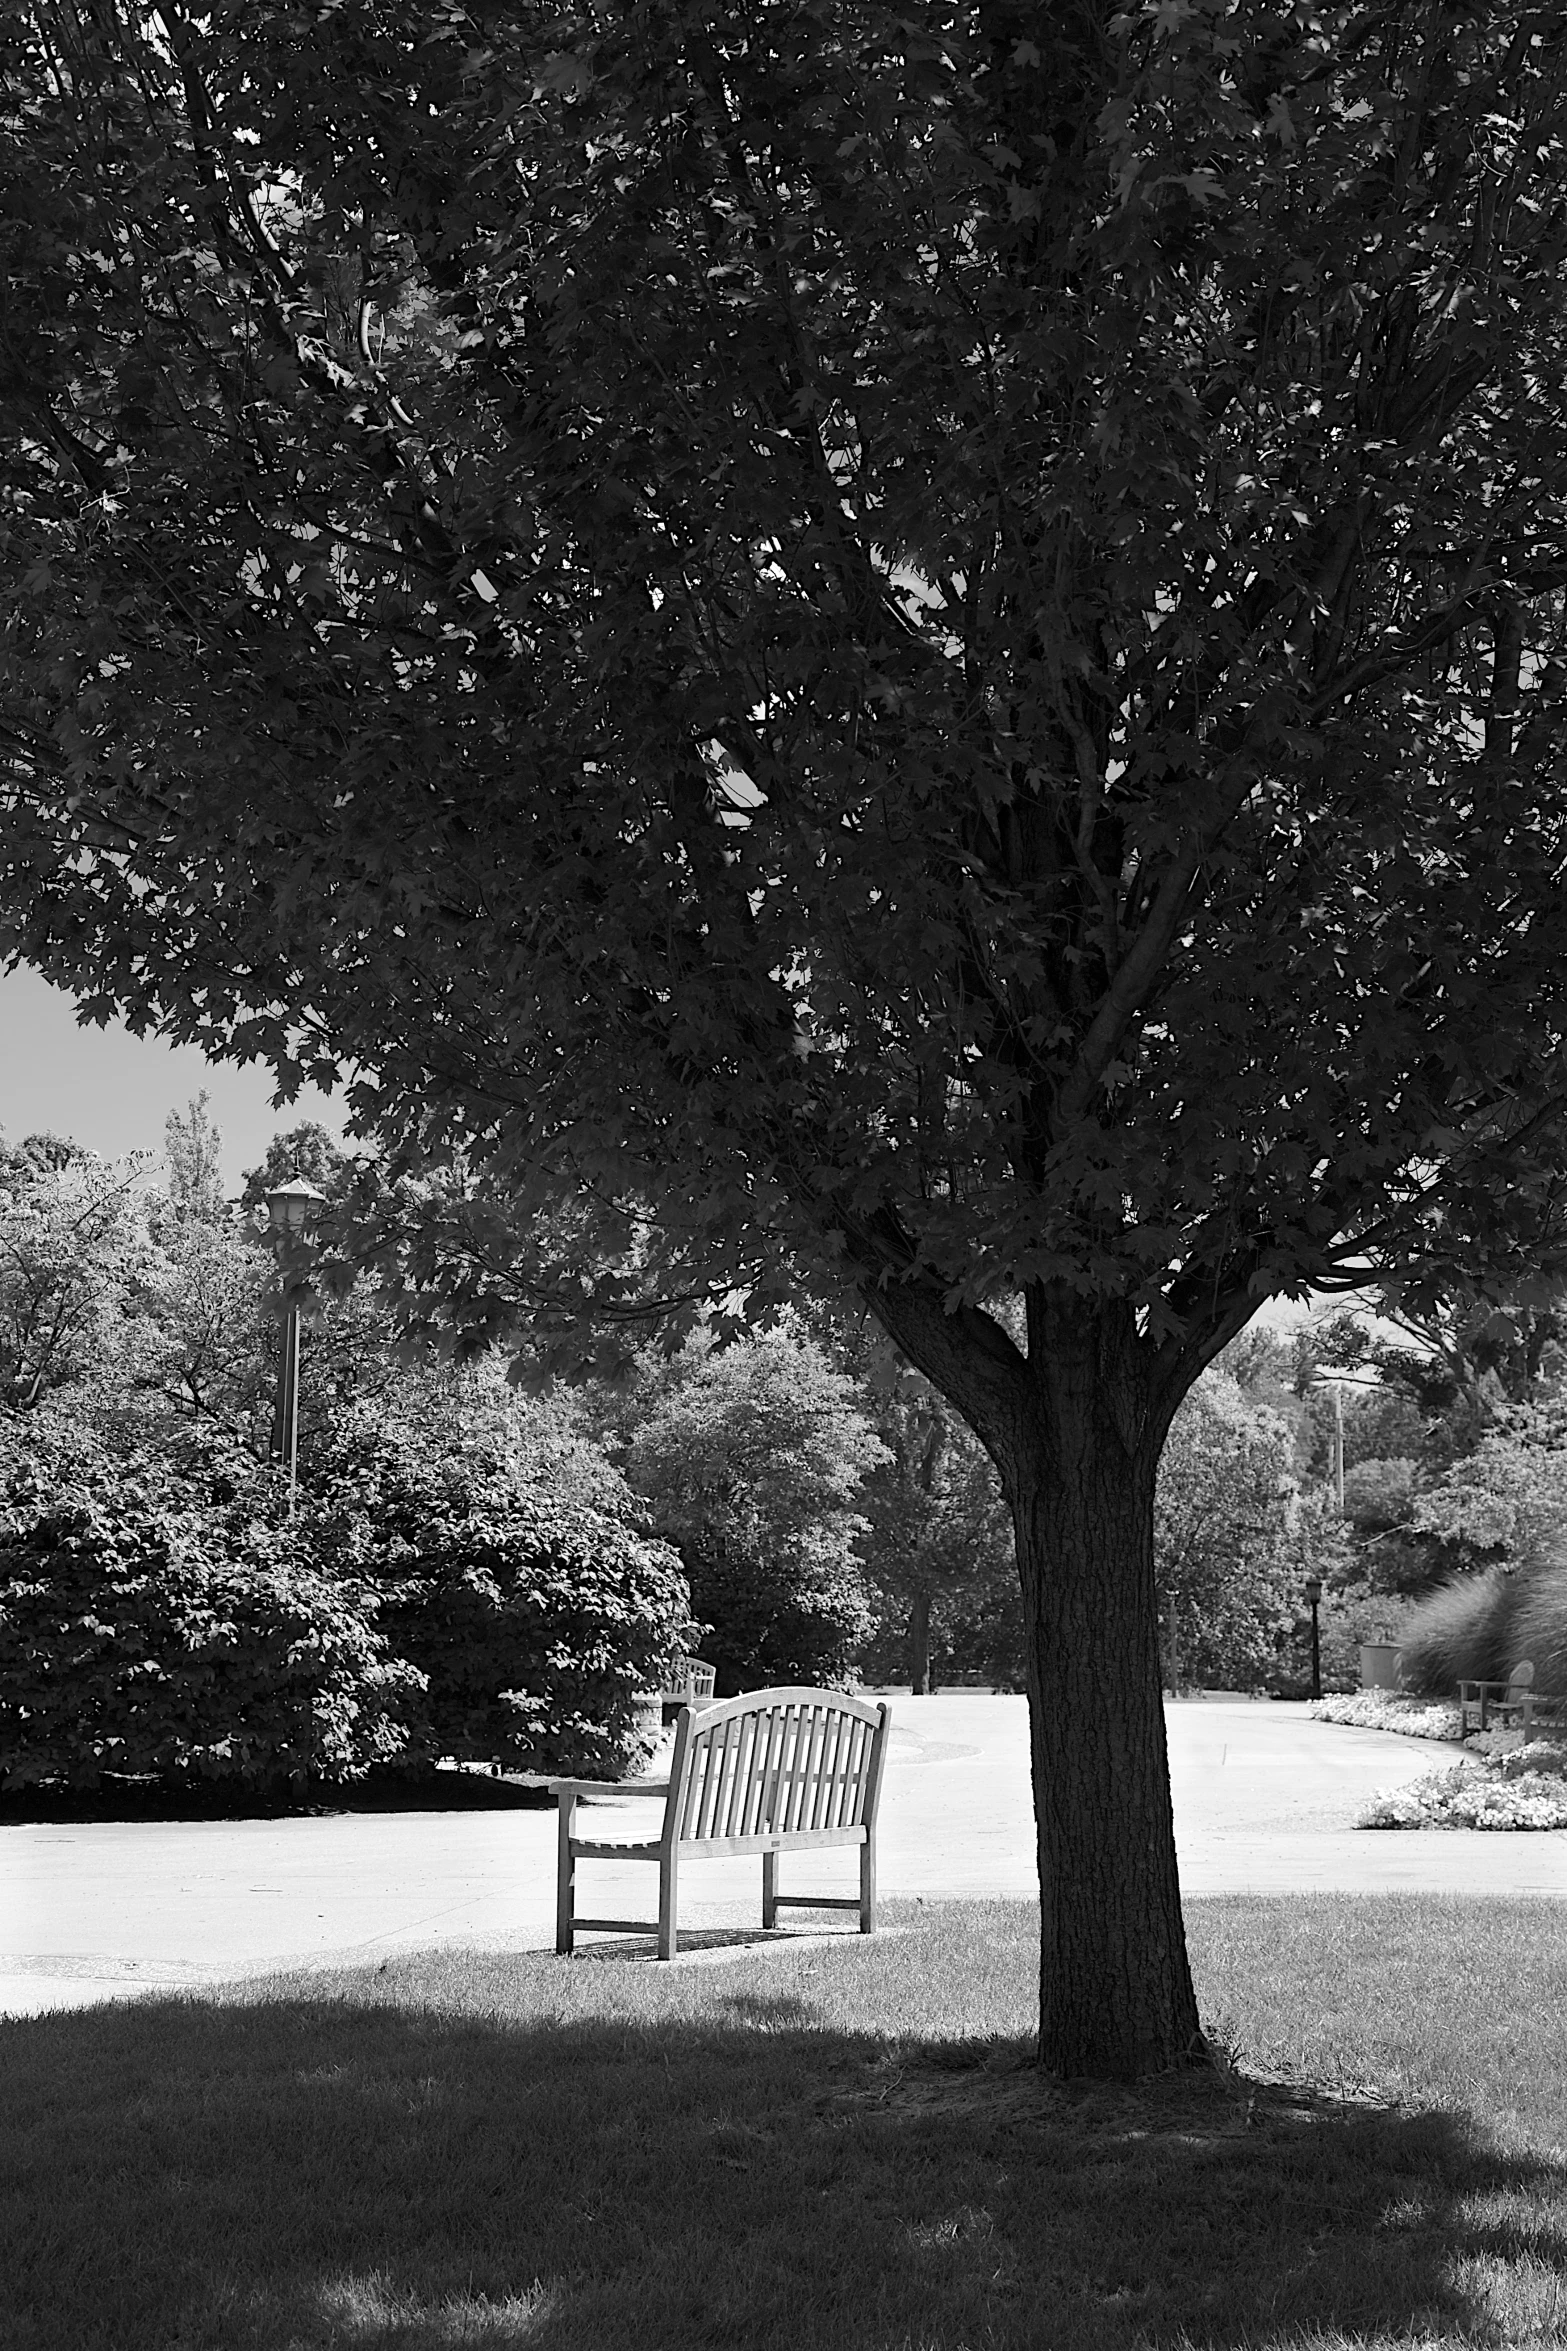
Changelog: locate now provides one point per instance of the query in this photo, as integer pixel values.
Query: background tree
(1506, 1503)
(938, 1546)
(751, 1459)
(193, 1158)
(74, 1245)
(1223, 1561)
(930, 642)
(307, 1151)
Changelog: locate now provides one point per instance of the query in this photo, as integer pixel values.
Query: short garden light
(290, 1209)
(1313, 1589)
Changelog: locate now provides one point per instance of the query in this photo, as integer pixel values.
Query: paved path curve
(1264, 1799)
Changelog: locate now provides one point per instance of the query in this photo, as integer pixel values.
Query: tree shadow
(146, 1798)
(702, 1943)
(284, 2173)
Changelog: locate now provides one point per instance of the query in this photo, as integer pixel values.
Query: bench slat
(826, 1777)
(771, 1729)
(784, 1815)
(740, 1777)
(801, 1764)
(716, 1756)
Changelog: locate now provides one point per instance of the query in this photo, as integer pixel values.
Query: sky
(111, 1091)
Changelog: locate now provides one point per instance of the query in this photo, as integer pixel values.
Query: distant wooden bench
(1484, 1705)
(774, 1771)
(691, 1684)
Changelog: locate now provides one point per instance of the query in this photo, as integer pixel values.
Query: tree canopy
(930, 640)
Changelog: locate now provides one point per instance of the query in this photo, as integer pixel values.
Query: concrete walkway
(1264, 1798)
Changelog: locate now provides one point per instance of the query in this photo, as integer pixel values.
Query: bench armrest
(609, 1787)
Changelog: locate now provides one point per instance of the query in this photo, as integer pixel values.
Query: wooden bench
(691, 1684)
(774, 1771)
(1484, 1705)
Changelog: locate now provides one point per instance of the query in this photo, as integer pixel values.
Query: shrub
(536, 1625)
(147, 1631)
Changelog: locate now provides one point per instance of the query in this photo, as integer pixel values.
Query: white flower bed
(1385, 1710)
(1523, 1788)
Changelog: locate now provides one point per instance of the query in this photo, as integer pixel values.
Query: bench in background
(1515, 1703)
(773, 1771)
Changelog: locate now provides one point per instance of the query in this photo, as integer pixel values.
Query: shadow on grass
(284, 2173)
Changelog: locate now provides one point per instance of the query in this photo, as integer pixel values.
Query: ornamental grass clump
(1539, 1624)
(1461, 1632)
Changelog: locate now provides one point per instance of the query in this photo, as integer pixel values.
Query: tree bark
(1076, 1428)
(1115, 1990)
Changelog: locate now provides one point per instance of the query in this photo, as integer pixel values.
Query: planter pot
(1381, 1665)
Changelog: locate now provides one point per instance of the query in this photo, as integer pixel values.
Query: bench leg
(868, 1887)
(769, 1890)
(565, 1872)
(668, 1887)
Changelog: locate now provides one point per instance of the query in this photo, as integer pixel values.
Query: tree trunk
(1076, 1429)
(1115, 1991)
(919, 1645)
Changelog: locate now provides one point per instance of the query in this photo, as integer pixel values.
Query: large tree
(928, 639)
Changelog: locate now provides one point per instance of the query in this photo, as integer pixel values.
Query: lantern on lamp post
(290, 1208)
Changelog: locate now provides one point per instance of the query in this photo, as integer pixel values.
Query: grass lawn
(833, 2143)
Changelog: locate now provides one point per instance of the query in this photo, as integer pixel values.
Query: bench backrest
(776, 1760)
(1521, 1678)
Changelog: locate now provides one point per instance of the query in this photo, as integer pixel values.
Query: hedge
(143, 1632)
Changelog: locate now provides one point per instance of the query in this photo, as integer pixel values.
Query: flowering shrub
(1525, 1788)
(1383, 1710)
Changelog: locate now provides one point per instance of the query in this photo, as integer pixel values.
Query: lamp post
(1313, 1595)
(289, 1211)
